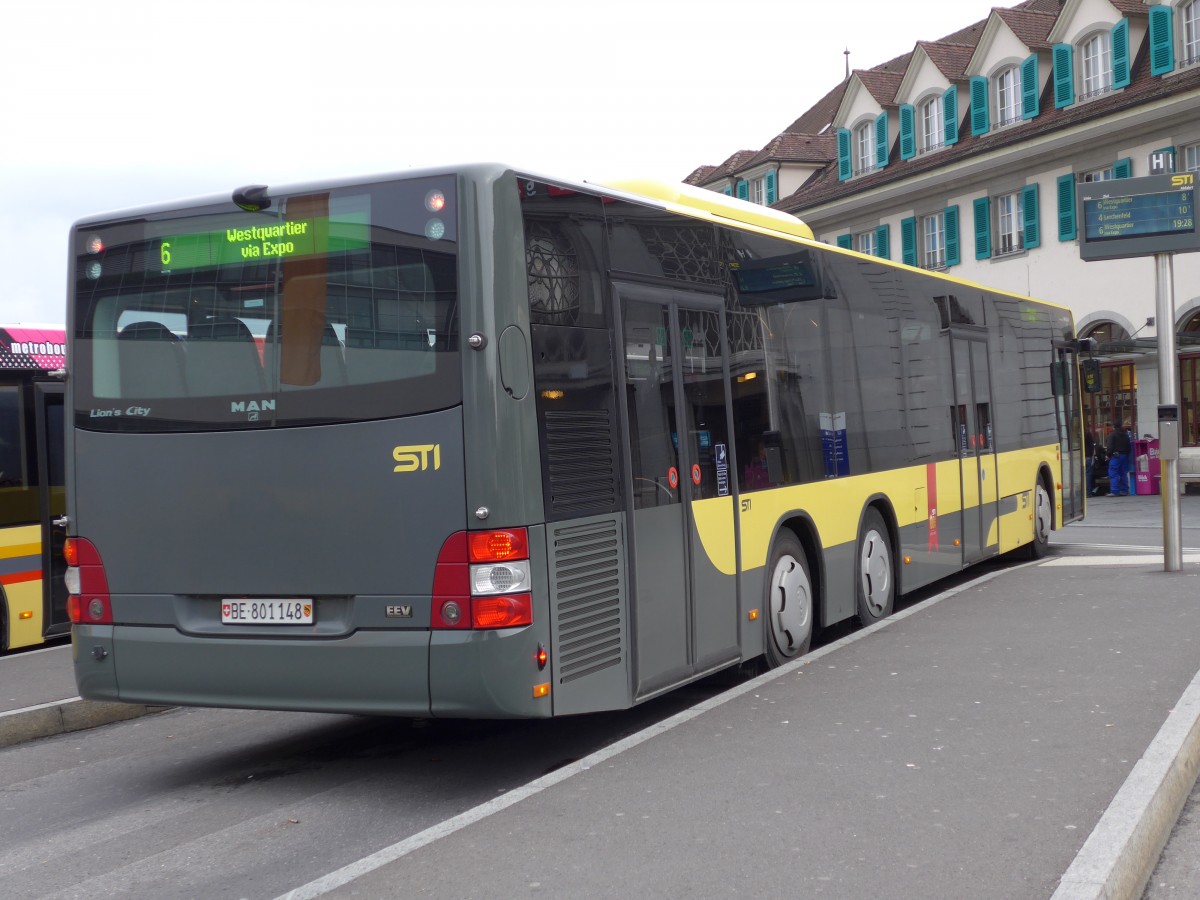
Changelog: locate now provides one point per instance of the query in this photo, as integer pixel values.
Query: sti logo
(413, 457)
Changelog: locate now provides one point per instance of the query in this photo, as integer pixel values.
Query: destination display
(1170, 212)
(1128, 217)
(262, 242)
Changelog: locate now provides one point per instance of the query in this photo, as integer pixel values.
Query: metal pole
(1168, 412)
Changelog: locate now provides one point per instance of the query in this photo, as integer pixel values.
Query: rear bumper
(369, 672)
(416, 673)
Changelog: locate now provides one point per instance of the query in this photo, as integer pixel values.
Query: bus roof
(688, 200)
(33, 348)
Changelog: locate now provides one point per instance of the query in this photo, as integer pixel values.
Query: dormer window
(1096, 59)
(1008, 97)
(932, 121)
(864, 148)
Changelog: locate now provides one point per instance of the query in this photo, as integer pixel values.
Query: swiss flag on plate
(225, 610)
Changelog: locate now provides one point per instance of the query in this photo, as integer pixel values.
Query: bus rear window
(329, 306)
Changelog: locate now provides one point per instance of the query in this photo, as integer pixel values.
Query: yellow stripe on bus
(835, 506)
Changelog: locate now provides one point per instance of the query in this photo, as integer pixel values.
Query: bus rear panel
(268, 474)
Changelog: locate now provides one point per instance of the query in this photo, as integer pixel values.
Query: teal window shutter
(908, 137)
(951, 220)
(950, 115)
(771, 194)
(908, 241)
(980, 121)
(844, 169)
(1033, 226)
(1064, 75)
(1030, 105)
(881, 140)
(743, 190)
(728, 191)
(845, 241)
(1162, 40)
(983, 227)
(1120, 54)
(883, 241)
(1123, 168)
(1066, 208)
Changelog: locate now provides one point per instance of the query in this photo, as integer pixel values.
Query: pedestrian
(1119, 448)
(1095, 459)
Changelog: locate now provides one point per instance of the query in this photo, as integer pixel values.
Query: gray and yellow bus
(474, 442)
(33, 596)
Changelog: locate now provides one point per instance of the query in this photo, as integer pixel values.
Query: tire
(788, 603)
(1042, 520)
(875, 572)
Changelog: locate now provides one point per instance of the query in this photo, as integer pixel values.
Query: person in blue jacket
(1119, 449)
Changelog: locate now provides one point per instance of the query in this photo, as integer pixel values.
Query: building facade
(965, 154)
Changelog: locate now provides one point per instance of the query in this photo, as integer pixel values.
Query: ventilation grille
(588, 594)
(580, 462)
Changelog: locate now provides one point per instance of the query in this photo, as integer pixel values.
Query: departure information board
(1138, 216)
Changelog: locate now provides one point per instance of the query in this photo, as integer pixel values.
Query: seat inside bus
(152, 363)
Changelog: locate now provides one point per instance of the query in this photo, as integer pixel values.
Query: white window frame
(864, 242)
(1190, 155)
(932, 124)
(933, 241)
(1095, 61)
(864, 148)
(1010, 224)
(1189, 32)
(1106, 174)
(1008, 96)
(758, 190)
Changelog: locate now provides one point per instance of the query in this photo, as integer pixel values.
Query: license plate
(266, 612)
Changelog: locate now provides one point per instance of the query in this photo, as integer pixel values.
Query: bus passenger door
(976, 446)
(52, 504)
(676, 421)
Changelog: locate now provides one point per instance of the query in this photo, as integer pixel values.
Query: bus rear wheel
(876, 581)
(789, 601)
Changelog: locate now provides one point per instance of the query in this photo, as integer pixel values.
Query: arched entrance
(1116, 401)
(1188, 340)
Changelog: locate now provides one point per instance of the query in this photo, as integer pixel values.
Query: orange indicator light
(541, 690)
(753, 615)
(957, 542)
(25, 614)
(907, 560)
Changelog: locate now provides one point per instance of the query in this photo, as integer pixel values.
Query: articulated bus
(472, 442)
(33, 597)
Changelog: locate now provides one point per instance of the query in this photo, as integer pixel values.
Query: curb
(64, 716)
(1120, 854)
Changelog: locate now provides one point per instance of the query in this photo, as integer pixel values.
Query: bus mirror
(1091, 375)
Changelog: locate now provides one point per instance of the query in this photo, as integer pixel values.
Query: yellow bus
(32, 496)
(476, 442)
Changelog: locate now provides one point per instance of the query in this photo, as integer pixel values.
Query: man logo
(412, 457)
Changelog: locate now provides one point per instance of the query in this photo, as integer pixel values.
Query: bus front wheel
(1041, 522)
(789, 601)
(876, 575)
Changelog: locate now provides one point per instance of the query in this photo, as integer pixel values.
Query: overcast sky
(108, 105)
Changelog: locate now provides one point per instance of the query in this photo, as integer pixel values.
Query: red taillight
(89, 602)
(455, 605)
(452, 585)
(502, 612)
(498, 546)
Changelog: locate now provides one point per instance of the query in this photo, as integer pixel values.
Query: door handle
(61, 522)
